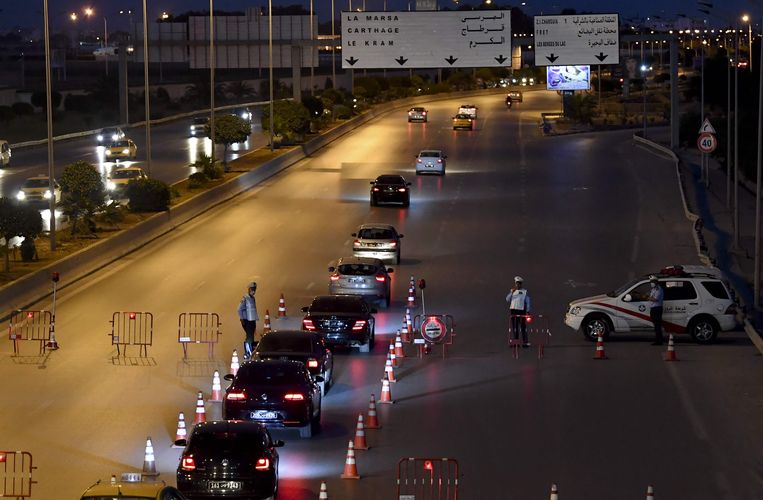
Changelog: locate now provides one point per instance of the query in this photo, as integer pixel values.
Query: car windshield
(36, 183)
(429, 154)
(120, 144)
(463, 117)
(226, 443)
(109, 131)
(418, 110)
(125, 174)
(622, 289)
(376, 233)
(269, 373)
(389, 179)
(336, 304)
(200, 121)
(284, 343)
(357, 269)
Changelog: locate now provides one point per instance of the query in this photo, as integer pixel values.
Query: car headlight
(47, 194)
(125, 151)
(21, 195)
(191, 128)
(110, 186)
(100, 137)
(108, 152)
(115, 137)
(575, 310)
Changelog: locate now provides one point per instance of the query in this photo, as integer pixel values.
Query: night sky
(19, 13)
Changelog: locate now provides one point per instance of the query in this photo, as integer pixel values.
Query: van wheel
(595, 325)
(703, 329)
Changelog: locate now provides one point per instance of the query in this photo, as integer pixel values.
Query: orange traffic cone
(324, 495)
(392, 354)
(411, 297)
(149, 461)
(408, 321)
(350, 468)
(201, 413)
(217, 390)
(181, 432)
(389, 371)
(670, 355)
(386, 394)
(360, 435)
(650, 492)
(599, 348)
(399, 352)
(234, 365)
(266, 324)
(405, 332)
(554, 493)
(373, 419)
(281, 307)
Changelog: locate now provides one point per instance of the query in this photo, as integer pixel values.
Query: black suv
(390, 189)
(228, 460)
(345, 320)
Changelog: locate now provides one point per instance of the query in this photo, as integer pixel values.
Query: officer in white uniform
(519, 307)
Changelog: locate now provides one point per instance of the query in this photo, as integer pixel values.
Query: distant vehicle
(106, 51)
(305, 347)
(109, 134)
(276, 393)
(199, 126)
(463, 121)
(390, 188)
(132, 485)
(227, 459)
(527, 80)
(362, 276)
(515, 95)
(417, 114)
(431, 161)
(377, 241)
(342, 320)
(468, 109)
(244, 113)
(5, 154)
(36, 190)
(123, 148)
(120, 177)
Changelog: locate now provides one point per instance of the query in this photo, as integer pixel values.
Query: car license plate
(357, 280)
(264, 415)
(224, 485)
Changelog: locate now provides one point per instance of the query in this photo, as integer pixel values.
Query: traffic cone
(386, 394)
(324, 495)
(599, 348)
(399, 352)
(201, 413)
(411, 297)
(650, 492)
(350, 468)
(266, 325)
(412, 283)
(392, 354)
(554, 493)
(360, 435)
(389, 371)
(181, 432)
(408, 321)
(405, 332)
(281, 307)
(217, 390)
(670, 355)
(149, 462)
(234, 366)
(373, 419)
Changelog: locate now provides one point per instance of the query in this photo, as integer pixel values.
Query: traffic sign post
(434, 329)
(577, 40)
(707, 142)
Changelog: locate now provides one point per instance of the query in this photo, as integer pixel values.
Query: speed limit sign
(707, 142)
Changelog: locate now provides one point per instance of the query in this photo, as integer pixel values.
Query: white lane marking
(691, 411)
(199, 285)
(231, 261)
(310, 285)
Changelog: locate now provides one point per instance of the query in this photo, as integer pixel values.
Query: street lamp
(212, 78)
(270, 68)
(644, 69)
(746, 19)
(49, 111)
(146, 92)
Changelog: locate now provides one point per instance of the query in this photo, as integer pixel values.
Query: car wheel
(595, 325)
(703, 329)
(373, 201)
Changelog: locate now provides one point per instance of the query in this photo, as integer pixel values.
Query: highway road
(574, 215)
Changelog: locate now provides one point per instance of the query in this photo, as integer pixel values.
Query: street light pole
(333, 47)
(212, 78)
(312, 51)
(759, 171)
(146, 93)
(728, 125)
(49, 110)
(736, 142)
(106, 44)
(270, 69)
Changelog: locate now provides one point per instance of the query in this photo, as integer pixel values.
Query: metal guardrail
(199, 328)
(16, 474)
(34, 326)
(132, 328)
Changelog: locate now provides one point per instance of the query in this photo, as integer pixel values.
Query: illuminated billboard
(568, 77)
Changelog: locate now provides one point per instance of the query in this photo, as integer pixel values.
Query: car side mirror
(627, 298)
(332, 269)
(390, 270)
(181, 442)
(278, 443)
(304, 309)
(372, 183)
(228, 377)
(354, 235)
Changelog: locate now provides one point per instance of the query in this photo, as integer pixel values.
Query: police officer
(247, 313)
(519, 307)
(656, 295)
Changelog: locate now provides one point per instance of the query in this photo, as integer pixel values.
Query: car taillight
(376, 189)
(312, 363)
(401, 190)
(334, 277)
(393, 244)
(410, 113)
(294, 397)
(380, 278)
(235, 396)
(439, 160)
(424, 113)
(308, 325)
(356, 243)
(418, 160)
(262, 464)
(359, 324)
(188, 463)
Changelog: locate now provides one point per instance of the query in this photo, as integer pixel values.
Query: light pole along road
(574, 215)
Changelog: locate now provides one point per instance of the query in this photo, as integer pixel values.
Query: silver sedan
(361, 276)
(377, 241)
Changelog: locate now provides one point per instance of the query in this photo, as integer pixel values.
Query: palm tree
(239, 91)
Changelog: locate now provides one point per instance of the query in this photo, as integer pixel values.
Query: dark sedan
(228, 460)
(276, 393)
(308, 348)
(344, 320)
(390, 189)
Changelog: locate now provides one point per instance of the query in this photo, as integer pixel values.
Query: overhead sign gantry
(575, 40)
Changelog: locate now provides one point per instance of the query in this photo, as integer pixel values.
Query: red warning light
(2, 457)
(132, 315)
(529, 318)
(30, 315)
(428, 465)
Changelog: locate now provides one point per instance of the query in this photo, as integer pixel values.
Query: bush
(6, 114)
(197, 180)
(22, 108)
(342, 112)
(148, 195)
(28, 250)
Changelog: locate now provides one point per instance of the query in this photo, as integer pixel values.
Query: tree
(240, 91)
(290, 119)
(17, 220)
(209, 167)
(229, 129)
(40, 100)
(82, 192)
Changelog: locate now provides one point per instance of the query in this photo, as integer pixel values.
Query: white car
(696, 301)
(119, 178)
(468, 109)
(431, 161)
(377, 241)
(36, 191)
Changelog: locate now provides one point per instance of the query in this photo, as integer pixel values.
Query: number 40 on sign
(707, 142)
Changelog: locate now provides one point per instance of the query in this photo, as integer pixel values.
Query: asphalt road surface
(574, 215)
